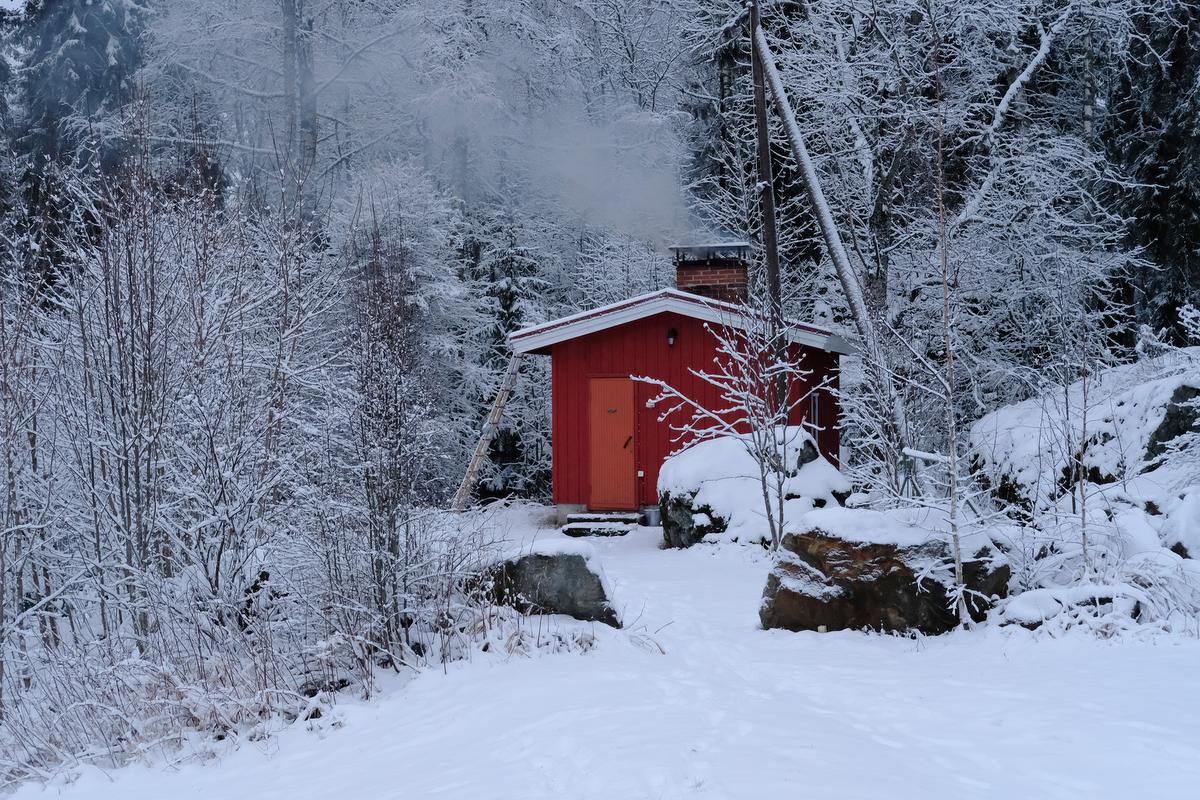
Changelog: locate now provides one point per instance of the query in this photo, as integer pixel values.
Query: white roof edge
(840, 344)
(573, 326)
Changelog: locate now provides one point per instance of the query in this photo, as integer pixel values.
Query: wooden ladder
(463, 496)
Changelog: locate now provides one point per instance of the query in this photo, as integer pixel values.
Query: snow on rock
(712, 489)
(1181, 530)
(1026, 448)
(796, 576)
(551, 546)
(552, 575)
(818, 480)
(1033, 607)
(869, 571)
(1139, 533)
(864, 526)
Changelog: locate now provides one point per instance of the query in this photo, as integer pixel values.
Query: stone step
(626, 517)
(598, 528)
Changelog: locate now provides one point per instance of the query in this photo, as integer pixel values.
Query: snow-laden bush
(243, 663)
(1157, 591)
(1129, 579)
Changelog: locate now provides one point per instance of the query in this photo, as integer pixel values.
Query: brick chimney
(717, 271)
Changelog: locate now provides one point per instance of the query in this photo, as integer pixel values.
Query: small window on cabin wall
(814, 406)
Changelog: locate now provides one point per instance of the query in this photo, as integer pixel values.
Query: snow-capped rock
(713, 489)
(865, 570)
(553, 577)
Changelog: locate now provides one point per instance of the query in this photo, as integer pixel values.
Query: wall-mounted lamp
(672, 335)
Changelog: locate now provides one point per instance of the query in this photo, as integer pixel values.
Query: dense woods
(260, 260)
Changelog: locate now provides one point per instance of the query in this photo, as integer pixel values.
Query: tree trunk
(308, 98)
(291, 25)
(766, 194)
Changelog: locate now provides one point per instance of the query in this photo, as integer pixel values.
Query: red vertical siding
(640, 349)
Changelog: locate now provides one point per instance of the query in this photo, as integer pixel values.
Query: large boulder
(887, 582)
(552, 580)
(712, 489)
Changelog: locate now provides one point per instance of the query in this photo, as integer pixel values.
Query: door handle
(627, 441)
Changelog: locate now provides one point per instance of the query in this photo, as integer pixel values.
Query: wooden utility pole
(873, 352)
(766, 199)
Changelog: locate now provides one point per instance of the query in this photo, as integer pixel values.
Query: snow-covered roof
(538, 338)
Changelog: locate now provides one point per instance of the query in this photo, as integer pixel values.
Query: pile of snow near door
(713, 491)
(1115, 457)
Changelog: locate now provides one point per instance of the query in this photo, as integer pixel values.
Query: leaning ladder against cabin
(463, 496)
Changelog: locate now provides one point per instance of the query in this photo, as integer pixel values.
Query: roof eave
(539, 339)
(840, 345)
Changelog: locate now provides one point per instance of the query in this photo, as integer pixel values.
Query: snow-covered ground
(731, 711)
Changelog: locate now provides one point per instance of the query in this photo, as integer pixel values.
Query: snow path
(734, 712)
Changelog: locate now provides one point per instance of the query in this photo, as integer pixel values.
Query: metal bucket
(653, 516)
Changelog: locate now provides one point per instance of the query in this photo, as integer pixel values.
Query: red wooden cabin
(607, 445)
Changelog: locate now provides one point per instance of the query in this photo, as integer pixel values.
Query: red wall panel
(640, 349)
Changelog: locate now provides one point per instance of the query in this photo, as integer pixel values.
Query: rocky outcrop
(822, 581)
(684, 522)
(551, 583)
(1012, 494)
(1181, 416)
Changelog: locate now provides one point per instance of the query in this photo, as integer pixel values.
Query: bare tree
(763, 386)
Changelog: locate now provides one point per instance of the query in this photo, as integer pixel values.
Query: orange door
(612, 469)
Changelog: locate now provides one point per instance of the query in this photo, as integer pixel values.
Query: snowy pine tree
(504, 277)
(83, 55)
